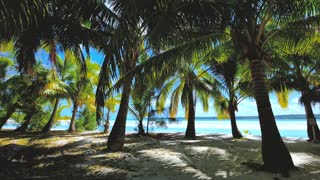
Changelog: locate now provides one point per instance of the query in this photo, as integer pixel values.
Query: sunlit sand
(162, 156)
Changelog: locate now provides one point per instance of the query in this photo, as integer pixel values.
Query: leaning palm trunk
(234, 128)
(48, 126)
(27, 120)
(117, 134)
(72, 127)
(191, 132)
(5, 118)
(312, 128)
(275, 154)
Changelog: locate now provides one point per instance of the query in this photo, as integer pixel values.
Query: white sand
(210, 156)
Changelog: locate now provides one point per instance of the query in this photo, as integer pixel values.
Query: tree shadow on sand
(158, 156)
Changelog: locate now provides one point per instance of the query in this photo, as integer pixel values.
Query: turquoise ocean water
(288, 127)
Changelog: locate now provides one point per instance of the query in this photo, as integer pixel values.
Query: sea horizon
(293, 125)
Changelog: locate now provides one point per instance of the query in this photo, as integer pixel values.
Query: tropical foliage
(297, 68)
(177, 51)
(188, 85)
(231, 83)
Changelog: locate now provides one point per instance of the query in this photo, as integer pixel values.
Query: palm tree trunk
(117, 135)
(275, 154)
(234, 128)
(148, 121)
(191, 132)
(312, 129)
(49, 124)
(72, 127)
(140, 127)
(107, 124)
(27, 120)
(5, 118)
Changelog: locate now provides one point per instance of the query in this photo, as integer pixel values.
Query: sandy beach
(162, 156)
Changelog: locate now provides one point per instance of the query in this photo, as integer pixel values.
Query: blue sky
(246, 107)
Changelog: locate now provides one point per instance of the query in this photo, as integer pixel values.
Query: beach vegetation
(156, 53)
(297, 68)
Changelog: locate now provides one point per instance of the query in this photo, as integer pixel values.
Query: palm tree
(254, 23)
(297, 68)
(188, 85)
(312, 96)
(23, 92)
(117, 134)
(230, 85)
(59, 22)
(141, 98)
(10, 95)
(56, 90)
(52, 23)
(11, 92)
(34, 23)
(126, 46)
(139, 111)
(80, 88)
(251, 25)
(110, 105)
(31, 106)
(147, 22)
(32, 97)
(20, 15)
(71, 82)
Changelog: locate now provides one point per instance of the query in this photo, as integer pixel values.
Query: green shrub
(39, 120)
(86, 120)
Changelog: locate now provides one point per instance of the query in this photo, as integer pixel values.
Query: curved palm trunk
(117, 134)
(312, 128)
(234, 128)
(48, 126)
(27, 120)
(72, 127)
(275, 154)
(191, 132)
(5, 118)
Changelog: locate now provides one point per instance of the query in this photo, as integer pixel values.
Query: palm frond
(163, 94)
(221, 106)
(174, 101)
(283, 97)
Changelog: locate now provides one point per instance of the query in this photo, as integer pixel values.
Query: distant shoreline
(288, 116)
(288, 126)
